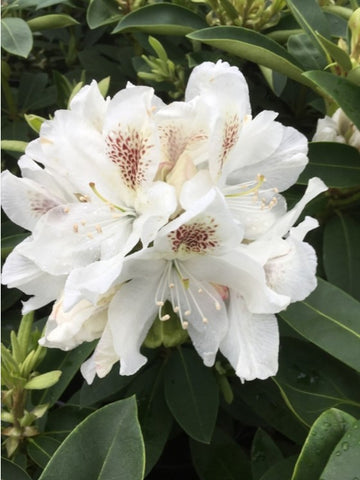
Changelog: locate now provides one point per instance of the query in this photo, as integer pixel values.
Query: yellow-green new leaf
(50, 22)
(45, 380)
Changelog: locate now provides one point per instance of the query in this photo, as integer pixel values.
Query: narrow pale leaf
(46, 380)
(52, 21)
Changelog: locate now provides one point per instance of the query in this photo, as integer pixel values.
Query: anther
(187, 313)
(83, 223)
(159, 303)
(90, 236)
(171, 285)
(176, 309)
(98, 228)
(217, 306)
(165, 317)
(185, 325)
(200, 290)
(205, 320)
(76, 227)
(66, 209)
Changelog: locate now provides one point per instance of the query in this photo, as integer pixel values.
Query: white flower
(337, 128)
(190, 256)
(95, 196)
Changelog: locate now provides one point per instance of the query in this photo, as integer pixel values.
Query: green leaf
(324, 434)
(341, 254)
(12, 471)
(13, 146)
(264, 398)
(109, 443)
(103, 388)
(302, 48)
(46, 380)
(61, 421)
(9, 243)
(34, 121)
(69, 363)
(336, 53)
(311, 18)
(329, 318)
(16, 36)
(102, 12)
(264, 454)
(337, 164)
(341, 90)
(52, 21)
(41, 448)
(252, 46)
(281, 470)
(163, 18)
(33, 92)
(344, 461)
(222, 459)
(192, 394)
(311, 381)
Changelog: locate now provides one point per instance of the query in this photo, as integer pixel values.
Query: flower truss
(134, 205)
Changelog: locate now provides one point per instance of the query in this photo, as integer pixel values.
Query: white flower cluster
(337, 128)
(132, 203)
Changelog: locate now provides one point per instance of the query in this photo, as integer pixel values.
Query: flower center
(195, 237)
(184, 291)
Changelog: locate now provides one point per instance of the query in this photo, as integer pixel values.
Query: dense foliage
(176, 418)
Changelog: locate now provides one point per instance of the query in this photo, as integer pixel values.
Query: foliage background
(175, 417)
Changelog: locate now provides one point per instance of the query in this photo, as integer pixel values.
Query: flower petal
(252, 341)
(130, 320)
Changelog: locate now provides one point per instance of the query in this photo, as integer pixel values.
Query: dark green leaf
(103, 388)
(341, 253)
(281, 470)
(41, 448)
(107, 445)
(329, 318)
(311, 381)
(52, 21)
(69, 363)
(302, 48)
(222, 459)
(34, 93)
(325, 433)
(344, 461)
(192, 394)
(16, 36)
(162, 18)
(264, 454)
(102, 12)
(264, 398)
(9, 243)
(341, 90)
(12, 471)
(61, 421)
(252, 46)
(311, 18)
(338, 165)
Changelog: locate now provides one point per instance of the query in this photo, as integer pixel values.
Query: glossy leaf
(324, 434)
(107, 444)
(344, 461)
(311, 18)
(12, 471)
(102, 12)
(329, 318)
(69, 363)
(264, 398)
(311, 381)
(337, 164)
(341, 90)
(50, 22)
(41, 448)
(161, 18)
(16, 36)
(341, 253)
(192, 394)
(252, 46)
(222, 459)
(264, 454)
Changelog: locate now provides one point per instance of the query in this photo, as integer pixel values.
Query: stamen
(165, 317)
(89, 236)
(205, 320)
(185, 325)
(66, 209)
(94, 189)
(98, 228)
(76, 228)
(254, 189)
